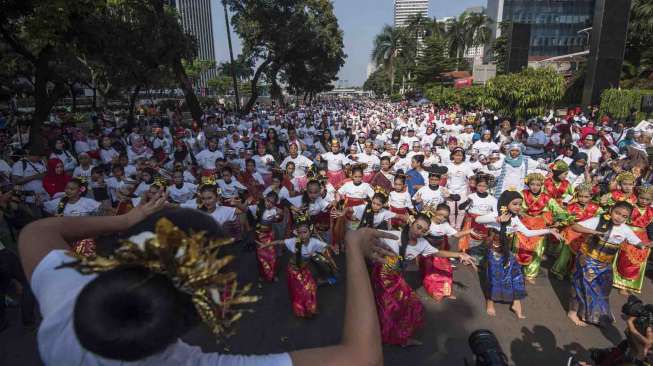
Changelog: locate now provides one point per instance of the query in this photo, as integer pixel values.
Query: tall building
(555, 24)
(195, 16)
(405, 9)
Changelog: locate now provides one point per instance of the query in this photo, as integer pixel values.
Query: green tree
(638, 59)
(288, 37)
(433, 61)
(386, 50)
(529, 93)
(378, 82)
(499, 49)
(222, 84)
(35, 34)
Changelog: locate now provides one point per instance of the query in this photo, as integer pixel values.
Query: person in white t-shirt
(479, 203)
(336, 163)
(84, 168)
(81, 312)
(207, 157)
(458, 174)
(181, 191)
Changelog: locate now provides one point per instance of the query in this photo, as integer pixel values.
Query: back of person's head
(130, 313)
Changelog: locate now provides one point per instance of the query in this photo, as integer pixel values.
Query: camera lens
(486, 348)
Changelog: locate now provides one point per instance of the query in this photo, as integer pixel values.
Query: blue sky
(360, 20)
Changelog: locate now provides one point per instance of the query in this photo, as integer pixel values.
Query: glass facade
(554, 24)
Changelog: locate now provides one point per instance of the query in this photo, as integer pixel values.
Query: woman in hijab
(55, 179)
(578, 170)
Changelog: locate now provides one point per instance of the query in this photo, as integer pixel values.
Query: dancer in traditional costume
(630, 264)
(437, 272)
(302, 286)
(479, 203)
(593, 276)
(385, 177)
(580, 208)
(267, 214)
(557, 186)
(373, 214)
(625, 191)
(400, 202)
(540, 211)
(505, 279)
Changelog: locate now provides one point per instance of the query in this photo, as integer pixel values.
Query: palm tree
(457, 37)
(386, 50)
(478, 29)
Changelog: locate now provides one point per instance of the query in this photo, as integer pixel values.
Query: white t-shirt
(382, 215)
(107, 155)
(302, 164)
(183, 194)
(412, 251)
(457, 176)
(263, 163)
(361, 191)
(223, 214)
(593, 154)
(282, 194)
(313, 246)
(429, 196)
(314, 208)
(618, 234)
(230, 190)
(335, 162)
(443, 229)
(400, 200)
(25, 168)
(56, 291)
(206, 158)
(80, 172)
(83, 207)
(482, 206)
(372, 161)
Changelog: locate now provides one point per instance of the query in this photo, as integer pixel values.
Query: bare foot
(530, 280)
(624, 292)
(451, 297)
(489, 309)
(517, 311)
(575, 319)
(412, 343)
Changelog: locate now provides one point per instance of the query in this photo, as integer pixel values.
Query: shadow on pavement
(539, 347)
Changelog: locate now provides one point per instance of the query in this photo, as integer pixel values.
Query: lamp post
(231, 56)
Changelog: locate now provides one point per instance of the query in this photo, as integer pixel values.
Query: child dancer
(505, 279)
(557, 186)
(581, 208)
(352, 193)
(267, 215)
(302, 287)
(593, 276)
(437, 272)
(384, 177)
(479, 203)
(630, 263)
(400, 201)
(373, 214)
(399, 308)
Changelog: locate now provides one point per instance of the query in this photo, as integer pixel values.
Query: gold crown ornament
(380, 190)
(645, 189)
(534, 177)
(160, 181)
(191, 262)
(208, 181)
(625, 176)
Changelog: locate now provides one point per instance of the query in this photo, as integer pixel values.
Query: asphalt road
(546, 337)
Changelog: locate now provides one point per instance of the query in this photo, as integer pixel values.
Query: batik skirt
(592, 282)
(302, 290)
(505, 281)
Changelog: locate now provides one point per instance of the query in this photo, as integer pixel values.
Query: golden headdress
(160, 181)
(625, 176)
(191, 262)
(335, 142)
(534, 177)
(584, 188)
(303, 218)
(645, 189)
(380, 190)
(208, 182)
(429, 210)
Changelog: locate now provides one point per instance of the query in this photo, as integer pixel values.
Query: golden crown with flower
(192, 264)
(625, 176)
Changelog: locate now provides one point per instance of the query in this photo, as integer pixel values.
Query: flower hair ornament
(208, 182)
(302, 218)
(625, 176)
(534, 177)
(645, 189)
(192, 264)
(160, 182)
(380, 190)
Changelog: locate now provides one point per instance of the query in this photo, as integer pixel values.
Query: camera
(486, 349)
(634, 307)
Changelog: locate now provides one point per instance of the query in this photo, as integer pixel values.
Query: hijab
(53, 182)
(574, 168)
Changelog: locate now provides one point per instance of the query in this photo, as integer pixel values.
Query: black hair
(623, 204)
(227, 169)
(368, 215)
(504, 200)
(400, 177)
(130, 313)
(65, 199)
(357, 168)
(442, 206)
(419, 159)
(404, 239)
(385, 158)
(305, 199)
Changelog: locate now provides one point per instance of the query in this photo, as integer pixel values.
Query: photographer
(11, 272)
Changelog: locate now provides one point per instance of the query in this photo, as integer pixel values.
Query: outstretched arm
(43, 236)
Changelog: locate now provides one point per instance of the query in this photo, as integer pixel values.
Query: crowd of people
(450, 186)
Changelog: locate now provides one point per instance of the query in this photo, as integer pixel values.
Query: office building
(195, 16)
(555, 24)
(405, 9)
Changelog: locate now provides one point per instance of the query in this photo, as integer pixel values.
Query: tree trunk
(254, 94)
(132, 105)
(275, 89)
(94, 98)
(187, 88)
(43, 102)
(73, 96)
